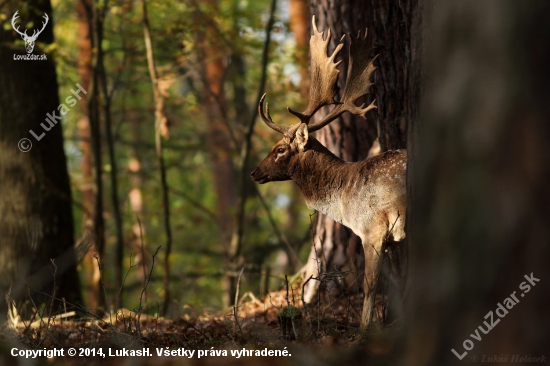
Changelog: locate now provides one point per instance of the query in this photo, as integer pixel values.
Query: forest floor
(276, 330)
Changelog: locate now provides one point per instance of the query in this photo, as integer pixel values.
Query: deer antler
(15, 16)
(287, 131)
(324, 77)
(267, 119)
(357, 82)
(324, 74)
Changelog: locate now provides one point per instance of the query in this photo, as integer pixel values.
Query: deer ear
(301, 137)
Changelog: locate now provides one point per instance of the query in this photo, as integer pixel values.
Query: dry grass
(326, 330)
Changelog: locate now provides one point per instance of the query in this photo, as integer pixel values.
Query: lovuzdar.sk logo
(29, 40)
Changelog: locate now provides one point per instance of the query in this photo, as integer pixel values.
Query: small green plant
(289, 319)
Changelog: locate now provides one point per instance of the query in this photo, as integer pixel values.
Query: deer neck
(320, 175)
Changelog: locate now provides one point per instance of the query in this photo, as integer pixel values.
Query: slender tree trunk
(161, 130)
(243, 177)
(94, 295)
(119, 249)
(135, 198)
(96, 14)
(36, 224)
(479, 202)
(95, 135)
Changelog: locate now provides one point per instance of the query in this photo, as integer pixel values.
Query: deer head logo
(29, 40)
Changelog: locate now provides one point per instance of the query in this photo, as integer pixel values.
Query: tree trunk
(93, 293)
(350, 137)
(218, 136)
(299, 24)
(36, 224)
(161, 131)
(479, 204)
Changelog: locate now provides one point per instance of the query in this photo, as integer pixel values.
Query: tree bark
(36, 225)
(299, 24)
(98, 230)
(93, 293)
(479, 202)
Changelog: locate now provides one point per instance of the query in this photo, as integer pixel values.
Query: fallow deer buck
(368, 196)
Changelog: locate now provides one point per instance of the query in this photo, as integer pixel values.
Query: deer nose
(252, 173)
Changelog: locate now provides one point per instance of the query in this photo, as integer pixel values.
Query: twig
(293, 257)
(142, 254)
(54, 289)
(44, 323)
(117, 305)
(138, 325)
(100, 267)
(236, 304)
(286, 282)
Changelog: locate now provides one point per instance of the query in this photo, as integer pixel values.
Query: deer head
(279, 163)
(29, 40)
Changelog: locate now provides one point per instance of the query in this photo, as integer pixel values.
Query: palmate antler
(324, 76)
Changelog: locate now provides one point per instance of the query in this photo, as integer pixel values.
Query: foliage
(198, 263)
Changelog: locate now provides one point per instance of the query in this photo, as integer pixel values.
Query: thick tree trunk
(479, 201)
(350, 137)
(36, 224)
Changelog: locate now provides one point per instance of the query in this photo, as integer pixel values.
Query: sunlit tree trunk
(90, 275)
(36, 223)
(93, 103)
(479, 201)
(300, 21)
(135, 198)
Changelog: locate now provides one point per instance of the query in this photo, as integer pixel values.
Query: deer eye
(280, 150)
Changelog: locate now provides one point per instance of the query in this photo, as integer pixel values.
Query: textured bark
(36, 224)
(98, 229)
(394, 26)
(480, 204)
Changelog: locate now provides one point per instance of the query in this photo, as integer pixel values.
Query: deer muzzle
(258, 176)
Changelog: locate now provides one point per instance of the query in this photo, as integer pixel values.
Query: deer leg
(373, 267)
